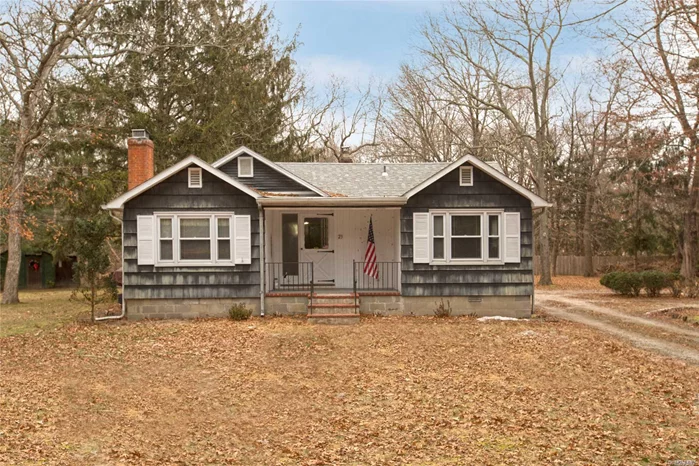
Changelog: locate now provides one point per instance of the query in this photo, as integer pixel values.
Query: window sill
(468, 262)
(195, 264)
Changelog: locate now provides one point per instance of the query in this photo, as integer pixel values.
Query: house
(37, 269)
(290, 238)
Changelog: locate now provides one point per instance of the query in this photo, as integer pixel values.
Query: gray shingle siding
(477, 280)
(266, 178)
(149, 282)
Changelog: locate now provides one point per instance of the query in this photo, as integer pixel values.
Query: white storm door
(316, 245)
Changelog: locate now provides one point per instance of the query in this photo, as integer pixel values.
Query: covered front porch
(321, 250)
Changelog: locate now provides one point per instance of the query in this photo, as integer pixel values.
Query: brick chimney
(140, 164)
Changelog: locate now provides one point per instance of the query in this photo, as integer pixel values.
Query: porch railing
(289, 276)
(388, 277)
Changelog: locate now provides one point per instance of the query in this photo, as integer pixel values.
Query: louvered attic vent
(195, 178)
(466, 176)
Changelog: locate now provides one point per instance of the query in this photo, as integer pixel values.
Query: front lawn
(387, 391)
(40, 310)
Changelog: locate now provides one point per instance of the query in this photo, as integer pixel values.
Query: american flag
(370, 267)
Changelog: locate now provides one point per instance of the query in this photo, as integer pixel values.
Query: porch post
(261, 217)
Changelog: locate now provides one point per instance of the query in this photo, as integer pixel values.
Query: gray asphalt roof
(365, 179)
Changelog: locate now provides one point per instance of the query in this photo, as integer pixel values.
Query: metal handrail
(389, 276)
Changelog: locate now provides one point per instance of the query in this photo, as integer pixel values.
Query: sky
(356, 40)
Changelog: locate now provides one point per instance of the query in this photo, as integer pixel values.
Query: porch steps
(333, 308)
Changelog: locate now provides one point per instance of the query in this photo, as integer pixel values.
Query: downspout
(123, 299)
(261, 217)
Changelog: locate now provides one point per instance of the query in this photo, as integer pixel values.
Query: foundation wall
(508, 306)
(137, 309)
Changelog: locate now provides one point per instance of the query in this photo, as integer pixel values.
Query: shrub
(442, 310)
(654, 282)
(676, 284)
(239, 312)
(626, 283)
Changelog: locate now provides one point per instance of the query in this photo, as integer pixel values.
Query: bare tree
(345, 124)
(510, 46)
(35, 42)
(661, 38)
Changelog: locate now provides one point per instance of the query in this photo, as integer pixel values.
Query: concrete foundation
(137, 309)
(508, 306)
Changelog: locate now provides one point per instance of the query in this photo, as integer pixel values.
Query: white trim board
(537, 201)
(119, 202)
(244, 150)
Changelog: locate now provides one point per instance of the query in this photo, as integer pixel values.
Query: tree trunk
(589, 269)
(544, 249)
(92, 299)
(14, 235)
(689, 249)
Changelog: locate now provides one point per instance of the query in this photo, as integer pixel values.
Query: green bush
(654, 282)
(626, 283)
(239, 312)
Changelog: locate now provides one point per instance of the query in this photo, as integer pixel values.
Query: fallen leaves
(388, 391)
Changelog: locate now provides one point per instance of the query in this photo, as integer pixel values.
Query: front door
(316, 245)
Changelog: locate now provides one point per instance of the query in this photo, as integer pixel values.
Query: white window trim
(213, 239)
(189, 177)
(484, 260)
(461, 169)
(252, 167)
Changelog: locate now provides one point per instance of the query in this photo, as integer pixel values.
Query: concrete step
(332, 308)
(334, 299)
(334, 319)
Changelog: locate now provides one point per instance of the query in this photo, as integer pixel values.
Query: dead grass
(388, 391)
(572, 282)
(39, 310)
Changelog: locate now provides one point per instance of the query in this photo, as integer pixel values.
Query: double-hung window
(194, 239)
(465, 237)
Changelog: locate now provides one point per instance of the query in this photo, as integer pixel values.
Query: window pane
(315, 233)
(494, 248)
(466, 225)
(290, 244)
(466, 248)
(165, 250)
(224, 228)
(438, 248)
(166, 228)
(493, 225)
(438, 228)
(224, 249)
(195, 249)
(194, 228)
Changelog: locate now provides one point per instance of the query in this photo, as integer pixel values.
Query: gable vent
(466, 176)
(195, 178)
(245, 167)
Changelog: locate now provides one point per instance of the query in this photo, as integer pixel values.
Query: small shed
(38, 270)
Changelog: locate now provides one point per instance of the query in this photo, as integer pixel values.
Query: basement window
(245, 167)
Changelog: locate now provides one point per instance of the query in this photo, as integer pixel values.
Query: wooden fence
(575, 265)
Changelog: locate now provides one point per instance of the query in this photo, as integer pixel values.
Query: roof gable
(537, 201)
(244, 151)
(119, 202)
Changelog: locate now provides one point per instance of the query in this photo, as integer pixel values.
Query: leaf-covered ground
(387, 391)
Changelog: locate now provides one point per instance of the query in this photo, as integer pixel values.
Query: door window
(315, 233)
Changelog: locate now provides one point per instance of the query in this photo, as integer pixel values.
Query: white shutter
(512, 238)
(421, 238)
(243, 242)
(145, 233)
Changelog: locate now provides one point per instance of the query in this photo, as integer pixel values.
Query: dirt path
(590, 313)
